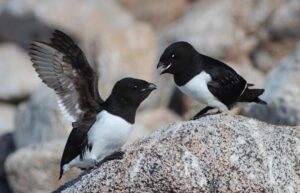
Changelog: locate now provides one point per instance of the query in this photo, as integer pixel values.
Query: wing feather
(63, 67)
(226, 84)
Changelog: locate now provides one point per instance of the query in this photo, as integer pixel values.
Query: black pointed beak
(150, 87)
(163, 67)
(160, 64)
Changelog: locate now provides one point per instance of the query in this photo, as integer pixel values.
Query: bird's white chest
(197, 88)
(109, 133)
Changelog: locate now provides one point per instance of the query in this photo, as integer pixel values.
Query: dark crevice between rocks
(25, 29)
(14, 100)
(7, 146)
(22, 30)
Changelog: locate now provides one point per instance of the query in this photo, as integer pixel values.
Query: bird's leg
(202, 112)
(113, 156)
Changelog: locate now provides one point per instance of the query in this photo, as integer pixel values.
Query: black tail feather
(252, 95)
(260, 101)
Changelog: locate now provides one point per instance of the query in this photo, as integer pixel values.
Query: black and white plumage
(205, 79)
(100, 128)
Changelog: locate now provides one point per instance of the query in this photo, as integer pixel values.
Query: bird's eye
(135, 86)
(173, 56)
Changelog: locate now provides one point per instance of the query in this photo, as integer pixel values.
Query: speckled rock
(282, 93)
(35, 168)
(218, 153)
(39, 119)
(138, 131)
(162, 116)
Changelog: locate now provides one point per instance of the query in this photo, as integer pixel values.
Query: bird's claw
(204, 115)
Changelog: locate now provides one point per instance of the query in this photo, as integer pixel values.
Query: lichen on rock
(218, 153)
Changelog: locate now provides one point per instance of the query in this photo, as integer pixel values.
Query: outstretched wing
(63, 67)
(226, 84)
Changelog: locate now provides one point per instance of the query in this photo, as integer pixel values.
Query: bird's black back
(226, 84)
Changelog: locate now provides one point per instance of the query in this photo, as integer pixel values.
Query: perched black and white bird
(100, 128)
(205, 79)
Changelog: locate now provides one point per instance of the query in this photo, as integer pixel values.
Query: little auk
(100, 128)
(206, 80)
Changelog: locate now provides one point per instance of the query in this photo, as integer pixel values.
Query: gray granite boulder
(208, 25)
(286, 20)
(17, 77)
(253, 15)
(157, 12)
(35, 168)
(282, 93)
(7, 113)
(218, 153)
(39, 119)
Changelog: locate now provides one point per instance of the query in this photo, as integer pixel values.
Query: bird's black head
(133, 91)
(176, 58)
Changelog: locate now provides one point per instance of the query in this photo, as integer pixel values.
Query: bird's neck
(119, 106)
(191, 69)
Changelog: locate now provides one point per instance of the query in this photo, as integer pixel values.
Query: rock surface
(7, 113)
(264, 60)
(286, 20)
(162, 116)
(7, 146)
(251, 74)
(208, 25)
(252, 15)
(156, 12)
(17, 77)
(39, 119)
(113, 41)
(35, 168)
(22, 30)
(282, 90)
(218, 153)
